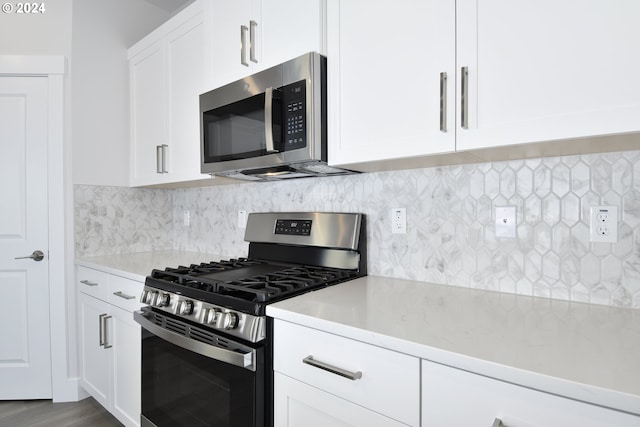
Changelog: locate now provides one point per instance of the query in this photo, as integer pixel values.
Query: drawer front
(92, 282)
(388, 383)
(125, 293)
(446, 390)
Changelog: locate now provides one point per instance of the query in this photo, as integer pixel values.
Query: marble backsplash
(450, 235)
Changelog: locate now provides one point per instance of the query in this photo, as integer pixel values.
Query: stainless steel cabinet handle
(122, 295)
(159, 158)
(443, 102)
(36, 256)
(101, 328)
(464, 97)
(243, 45)
(497, 423)
(252, 41)
(165, 156)
(104, 320)
(309, 360)
(88, 283)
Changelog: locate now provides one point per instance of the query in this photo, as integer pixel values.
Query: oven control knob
(151, 297)
(228, 320)
(210, 315)
(144, 296)
(163, 300)
(185, 308)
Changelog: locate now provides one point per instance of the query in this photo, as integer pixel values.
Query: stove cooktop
(290, 253)
(244, 284)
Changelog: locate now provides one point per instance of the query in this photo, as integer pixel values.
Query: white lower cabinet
(299, 404)
(323, 379)
(456, 398)
(110, 343)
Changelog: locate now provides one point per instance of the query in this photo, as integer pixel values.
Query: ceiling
(171, 6)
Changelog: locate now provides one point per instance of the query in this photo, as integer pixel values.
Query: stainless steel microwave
(270, 125)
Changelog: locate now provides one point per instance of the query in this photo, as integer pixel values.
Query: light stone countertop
(586, 352)
(137, 266)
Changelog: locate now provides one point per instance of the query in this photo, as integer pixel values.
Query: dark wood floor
(44, 413)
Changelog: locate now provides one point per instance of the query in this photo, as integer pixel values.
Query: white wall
(103, 30)
(93, 36)
(48, 33)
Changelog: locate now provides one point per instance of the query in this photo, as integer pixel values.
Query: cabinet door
(95, 359)
(185, 77)
(299, 404)
(148, 113)
(548, 70)
(290, 28)
(125, 338)
(282, 30)
(226, 19)
(385, 61)
(457, 398)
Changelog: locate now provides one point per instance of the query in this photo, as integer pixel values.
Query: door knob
(36, 256)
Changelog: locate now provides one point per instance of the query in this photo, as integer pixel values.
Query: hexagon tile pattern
(450, 232)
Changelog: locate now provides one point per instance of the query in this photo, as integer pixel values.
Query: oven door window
(183, 388)
(238, 131)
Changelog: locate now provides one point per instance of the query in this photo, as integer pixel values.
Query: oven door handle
(243, 360)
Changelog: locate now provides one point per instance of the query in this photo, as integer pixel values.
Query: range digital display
(293, 227)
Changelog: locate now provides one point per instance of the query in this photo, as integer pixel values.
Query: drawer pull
(309, 360)
(122, 295)
(88, 283)
(497, 423)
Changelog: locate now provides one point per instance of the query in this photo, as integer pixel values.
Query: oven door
(193, 377)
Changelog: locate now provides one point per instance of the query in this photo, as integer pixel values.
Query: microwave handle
(268, 120)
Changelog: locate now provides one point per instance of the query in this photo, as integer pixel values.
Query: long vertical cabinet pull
(158, 158)
(443, 102)
(101, 328)
(161, 158)
(243, 45)
(165, 156)
(464, 97)
(106, 344)
(252, 41)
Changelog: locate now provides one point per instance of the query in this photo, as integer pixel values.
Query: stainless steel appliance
(206, 341)
(270, 125)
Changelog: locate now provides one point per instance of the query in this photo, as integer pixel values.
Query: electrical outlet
(505, 225)
(242, 219)
(186, 218)
(603, 226)
(399, 221)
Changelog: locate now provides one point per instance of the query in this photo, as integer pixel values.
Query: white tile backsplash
(450, 222)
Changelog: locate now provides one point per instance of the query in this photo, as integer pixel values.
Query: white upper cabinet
(247, 36)
(548, 70)
(167, 75)
(391, 79)
(515, 73)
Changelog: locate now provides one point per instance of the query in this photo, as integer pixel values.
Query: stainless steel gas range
(206, 341)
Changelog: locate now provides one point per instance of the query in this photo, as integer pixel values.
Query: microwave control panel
(295, 106)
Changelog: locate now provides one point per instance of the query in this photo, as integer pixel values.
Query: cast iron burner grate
(235, 282)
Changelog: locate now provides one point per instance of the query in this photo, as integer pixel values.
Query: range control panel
(293, 227)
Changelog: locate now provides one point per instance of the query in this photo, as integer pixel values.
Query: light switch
(506, 221)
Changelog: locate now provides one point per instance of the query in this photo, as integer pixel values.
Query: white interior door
(25, 354)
